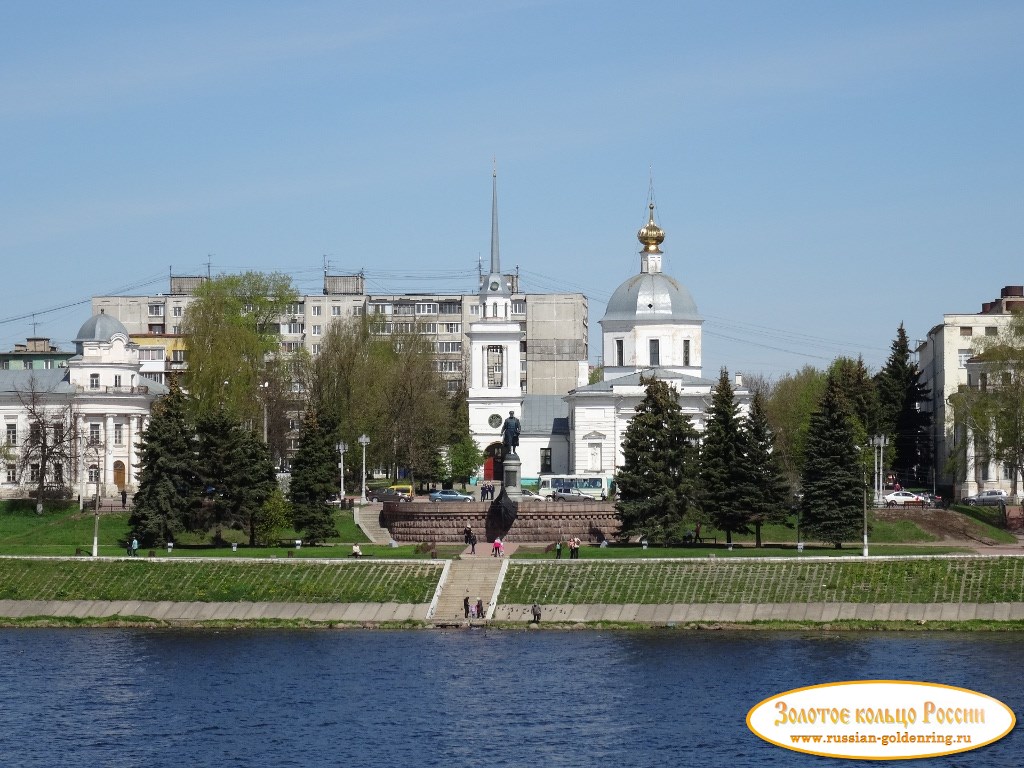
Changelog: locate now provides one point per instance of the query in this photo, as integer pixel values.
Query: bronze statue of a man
(510, 433)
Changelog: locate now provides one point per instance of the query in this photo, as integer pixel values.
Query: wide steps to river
(472, 576)
(367, 517)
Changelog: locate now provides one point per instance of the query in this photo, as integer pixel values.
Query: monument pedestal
(512, 474)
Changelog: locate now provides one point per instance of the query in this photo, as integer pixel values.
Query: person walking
(536, 613)
(124, 499)
(558, 550)
(135, 546)
(472, 543)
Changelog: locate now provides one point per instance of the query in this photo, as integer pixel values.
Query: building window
(58, 474)
(150, 353)
(156, 310)
(156, 328)
(12, 434)
(426, 327)
(176, 311)
(655, 353)
(619, 353)
(474, 309)
(966, 330)
(48, 364)
(545, 461)
(178, 355)
(5, 365)
(335, 310)
(12, 473)
(290, 346)
(1007, 472)
(293, 309)
(94, 474)
(991, 330)
(293, 328)
(317, 329)
(94, 381)
(963, 356)
(450, 308)
(27, 365)
(426, 308)
(448, 366)
(404, 310)
(118, 434)
(984, 471)
(453, 385)
(686, 351)
(447, 347)
(518, 307)
(33, 473)
(380, 309)
(94, 434)
(317, 310)
(157, 377)
(358, 311)
(453, 327)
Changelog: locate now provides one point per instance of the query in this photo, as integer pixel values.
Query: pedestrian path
(367, 517)
(472, 577)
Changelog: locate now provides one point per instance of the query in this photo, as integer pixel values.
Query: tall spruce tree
(657, 481)
(314, 478)
(253, 482)
(168, 474)
(832, 484)
(231, 472)
(763, 490)
(721, 458)
(900, 394)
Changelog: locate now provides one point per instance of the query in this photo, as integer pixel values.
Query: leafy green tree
(314, 479)
(832, 483)
(272, 518)
(721, 458)
(465, 458)
(762, 488)
(657, 481)
(254, 482)
(230, 330)
(900, 395)
(793, 399)
(169, 474)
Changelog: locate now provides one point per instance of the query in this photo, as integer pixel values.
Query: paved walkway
(473, 577)
(367, 517)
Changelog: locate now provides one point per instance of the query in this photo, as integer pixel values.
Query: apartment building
(943, 358)
(37, 353)
(555, 327)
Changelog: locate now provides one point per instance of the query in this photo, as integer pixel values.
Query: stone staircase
(475, 577)
(367, 517)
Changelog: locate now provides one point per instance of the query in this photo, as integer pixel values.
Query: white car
(899, 498)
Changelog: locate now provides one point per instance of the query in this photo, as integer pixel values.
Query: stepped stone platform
(534, 522)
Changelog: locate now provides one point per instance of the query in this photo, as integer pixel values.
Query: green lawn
(850, 580)
(364, 581)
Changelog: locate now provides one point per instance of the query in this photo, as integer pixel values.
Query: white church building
(651, 328)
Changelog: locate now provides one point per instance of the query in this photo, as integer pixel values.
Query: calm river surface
(123, 697)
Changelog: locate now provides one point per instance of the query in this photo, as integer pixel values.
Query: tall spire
(495, 258)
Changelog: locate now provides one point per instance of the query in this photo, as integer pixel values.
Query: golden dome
(651, 235)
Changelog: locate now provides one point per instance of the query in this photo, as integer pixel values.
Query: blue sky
(823, 171)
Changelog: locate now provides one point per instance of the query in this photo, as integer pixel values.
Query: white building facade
(943, 359)
(100, 397)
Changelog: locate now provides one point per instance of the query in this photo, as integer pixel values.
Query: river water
(143, 697)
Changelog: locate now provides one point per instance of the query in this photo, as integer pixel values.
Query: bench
(689, 540)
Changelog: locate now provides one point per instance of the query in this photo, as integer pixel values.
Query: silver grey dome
(654, 298)
(101, 327)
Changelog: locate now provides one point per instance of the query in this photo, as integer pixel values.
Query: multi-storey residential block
(943, 358)
(37, 353)
(554, 344)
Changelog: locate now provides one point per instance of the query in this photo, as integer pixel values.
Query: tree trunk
(757, 534)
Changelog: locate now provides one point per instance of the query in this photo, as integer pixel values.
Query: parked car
(991, 498)
(569, 494)
(387, 494)
(899, 498)
(531, 496)
(450, 494)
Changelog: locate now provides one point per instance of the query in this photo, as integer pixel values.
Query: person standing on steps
(536, 613)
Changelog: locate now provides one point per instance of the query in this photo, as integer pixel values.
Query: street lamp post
(364, 441)
(342, 447)
(265, 386)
